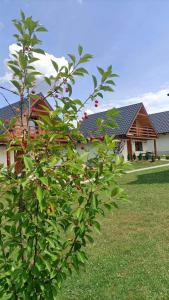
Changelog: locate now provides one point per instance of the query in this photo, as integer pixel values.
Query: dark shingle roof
(160, 121)
(124, 121)
(10, 111)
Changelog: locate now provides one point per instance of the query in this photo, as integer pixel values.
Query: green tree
(49, 209)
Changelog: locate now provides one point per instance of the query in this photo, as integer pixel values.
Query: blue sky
(130, 35)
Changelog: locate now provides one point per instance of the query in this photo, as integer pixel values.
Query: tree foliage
(50, 208)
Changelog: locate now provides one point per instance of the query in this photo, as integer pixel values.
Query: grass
(145, 164)
(130, 258)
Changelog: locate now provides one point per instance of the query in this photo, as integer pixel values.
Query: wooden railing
(142, 132)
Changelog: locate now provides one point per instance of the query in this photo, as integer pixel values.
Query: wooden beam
(129, 149)
(8, 158)
(155, 148)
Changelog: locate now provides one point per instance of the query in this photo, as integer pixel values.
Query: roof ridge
(104, 111)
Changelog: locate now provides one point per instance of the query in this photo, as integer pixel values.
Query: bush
(148, 155)
(158, 157)
(167, 157)
(134, 156)
(140, 156)
(51, 202)
(153, 158)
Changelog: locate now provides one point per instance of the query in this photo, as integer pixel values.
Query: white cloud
(153, 101)
(89, 111)
(43, 65)
(156, 101)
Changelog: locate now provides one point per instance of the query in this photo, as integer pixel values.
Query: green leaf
(28, 162)
(106, 88)
(16, 84)
(90, 239)
(100, 95)
(47, 79)
(44, 180)
(17, 72)
(81, 70)
(22, 15)
(72, 57)
(22, 60)
(69, 89)
(79, 212)
(114, 75)
(39, 194)
(1, 122)
(85, 58)
(94, 81)
(33, 59)
(55, 65)
(110, 82)
(41, 29)
(101, 71)
(96, 226)
(38, 51)
(81, 256)
(80, 50)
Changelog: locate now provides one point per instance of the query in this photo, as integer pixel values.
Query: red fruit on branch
(96, 105)
(96, 101)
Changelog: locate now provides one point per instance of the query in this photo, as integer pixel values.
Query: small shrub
(134, 156)
(153, 158)
(158, 157)
(167, 157)
(128, 157)
(140, 156)
(147, 155)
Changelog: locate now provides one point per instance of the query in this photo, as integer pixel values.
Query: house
(135, 131)
(31, 111)
(160, 122)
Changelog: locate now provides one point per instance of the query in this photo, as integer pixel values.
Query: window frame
(139, 146)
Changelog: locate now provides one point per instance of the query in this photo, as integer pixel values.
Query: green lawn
(130, 259)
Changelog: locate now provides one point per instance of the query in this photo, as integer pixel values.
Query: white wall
(162, 144)
(144, 143)
(147, 146)
(3, 156)
(124, 151)
(3, 159)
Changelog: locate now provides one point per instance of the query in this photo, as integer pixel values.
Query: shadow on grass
(152, 178)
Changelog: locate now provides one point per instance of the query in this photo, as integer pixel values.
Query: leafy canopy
(50, 204)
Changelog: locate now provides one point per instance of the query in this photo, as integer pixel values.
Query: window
(138, 146)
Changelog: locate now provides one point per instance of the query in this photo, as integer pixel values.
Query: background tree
(49, 209)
